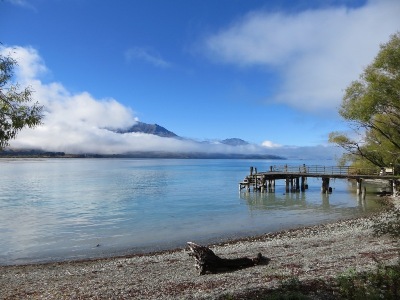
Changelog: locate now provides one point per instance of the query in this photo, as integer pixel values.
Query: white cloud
(317, 52)
(72, 122)
(30, 64)
(79, 123)
(269, 144)
(147, 55)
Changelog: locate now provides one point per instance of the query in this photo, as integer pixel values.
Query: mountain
(156, 129)
(149, 129)
(234, 142)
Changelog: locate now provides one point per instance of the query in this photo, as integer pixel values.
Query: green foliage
(15, 111)
(384, 283)
(346, 284)
(371, 106)
(290, 289)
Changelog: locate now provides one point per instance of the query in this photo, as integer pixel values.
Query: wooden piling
(325, 185)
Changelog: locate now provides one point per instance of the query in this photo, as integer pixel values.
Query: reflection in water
(325, 200)
(265, 201)
(362, 203)
(313, 198)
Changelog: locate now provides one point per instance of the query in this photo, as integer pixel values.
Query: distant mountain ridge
(154, 129)
(234, 142)
(158, 130)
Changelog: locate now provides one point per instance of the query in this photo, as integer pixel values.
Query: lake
(63, 209)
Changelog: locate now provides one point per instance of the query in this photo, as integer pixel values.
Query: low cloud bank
(78, 123)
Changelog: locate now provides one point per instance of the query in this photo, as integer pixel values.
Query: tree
(15, 109)
(371, 106)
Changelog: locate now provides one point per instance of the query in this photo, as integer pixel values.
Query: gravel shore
(317, 252)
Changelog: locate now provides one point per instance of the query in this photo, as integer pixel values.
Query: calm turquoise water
(57, 209)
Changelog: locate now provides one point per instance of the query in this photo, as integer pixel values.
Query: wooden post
(303, 187)
(297, 184)
(255, 177)
(329, 190)
(287, 184)
(263, 183)
(392, 186)
(325, 185)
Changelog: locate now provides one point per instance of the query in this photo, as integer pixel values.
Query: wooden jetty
(296, 177)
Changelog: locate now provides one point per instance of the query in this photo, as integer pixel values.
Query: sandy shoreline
(321, 251)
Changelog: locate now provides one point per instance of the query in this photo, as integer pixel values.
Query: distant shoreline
(138, 154)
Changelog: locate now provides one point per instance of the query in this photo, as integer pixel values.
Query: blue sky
(269, 72)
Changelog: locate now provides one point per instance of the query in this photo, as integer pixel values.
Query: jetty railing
(324, 170)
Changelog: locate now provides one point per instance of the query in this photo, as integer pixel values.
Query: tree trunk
(207, 261)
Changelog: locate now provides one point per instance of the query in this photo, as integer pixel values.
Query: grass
(383, 283)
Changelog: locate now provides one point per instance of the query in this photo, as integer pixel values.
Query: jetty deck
(296, 177)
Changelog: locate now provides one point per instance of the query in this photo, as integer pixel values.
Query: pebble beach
(316, 252)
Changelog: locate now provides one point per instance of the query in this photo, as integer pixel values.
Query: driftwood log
(207, 261)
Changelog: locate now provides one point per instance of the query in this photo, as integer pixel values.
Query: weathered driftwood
(207, 261)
